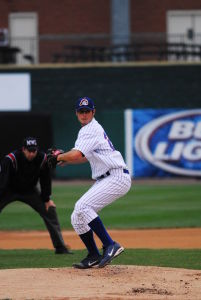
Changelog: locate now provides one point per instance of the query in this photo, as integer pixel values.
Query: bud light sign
(167, 142)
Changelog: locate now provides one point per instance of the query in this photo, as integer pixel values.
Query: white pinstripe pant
(102, 193)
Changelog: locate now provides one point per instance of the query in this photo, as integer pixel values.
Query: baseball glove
(52, 154)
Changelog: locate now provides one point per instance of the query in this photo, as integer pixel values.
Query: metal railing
(99, 48)
(135, 52)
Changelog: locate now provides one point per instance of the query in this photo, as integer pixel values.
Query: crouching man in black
(20, 172)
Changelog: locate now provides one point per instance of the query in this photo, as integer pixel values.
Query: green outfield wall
(114, 87)
(55, 88)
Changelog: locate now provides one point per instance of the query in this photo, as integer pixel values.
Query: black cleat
(88, 262)
(109, 253)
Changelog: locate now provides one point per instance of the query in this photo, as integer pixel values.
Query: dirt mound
(112, 282)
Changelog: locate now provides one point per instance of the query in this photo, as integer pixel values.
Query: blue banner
(166, 142)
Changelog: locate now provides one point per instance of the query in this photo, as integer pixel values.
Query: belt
(103, 176)
(108, 174)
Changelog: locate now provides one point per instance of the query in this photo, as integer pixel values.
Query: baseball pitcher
(112, 180)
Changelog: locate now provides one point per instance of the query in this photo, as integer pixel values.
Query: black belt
(103, 176)
(108, 174)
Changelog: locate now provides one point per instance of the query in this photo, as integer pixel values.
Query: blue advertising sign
(167, 142)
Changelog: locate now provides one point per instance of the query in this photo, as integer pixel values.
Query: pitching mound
(112, 282)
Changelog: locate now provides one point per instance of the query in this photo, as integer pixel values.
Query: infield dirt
(112, 282)
(185, 238)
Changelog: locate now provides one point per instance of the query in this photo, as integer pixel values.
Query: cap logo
(31, 143)
(84, 101)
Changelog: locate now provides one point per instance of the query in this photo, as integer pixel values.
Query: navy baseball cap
(85, 102)
(30, 143)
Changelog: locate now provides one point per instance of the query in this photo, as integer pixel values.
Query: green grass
(189, 259)
(145, 206)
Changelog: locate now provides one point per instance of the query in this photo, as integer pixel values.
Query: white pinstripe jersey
(93, 142)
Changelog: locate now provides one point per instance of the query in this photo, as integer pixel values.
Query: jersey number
(109, 142)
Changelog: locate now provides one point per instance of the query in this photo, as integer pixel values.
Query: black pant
(49, 216)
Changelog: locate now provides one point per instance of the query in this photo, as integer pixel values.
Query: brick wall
(150, 15)
(63, 16)
(89, 17)
(59, 18)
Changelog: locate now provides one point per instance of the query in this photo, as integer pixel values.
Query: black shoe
(62, 250)
(88, 262)
(109, 253)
